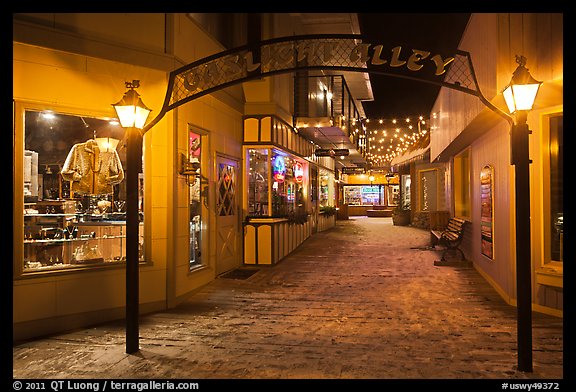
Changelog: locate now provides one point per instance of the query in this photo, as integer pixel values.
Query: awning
(417, 154)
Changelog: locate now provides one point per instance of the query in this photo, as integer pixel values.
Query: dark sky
(433, 32)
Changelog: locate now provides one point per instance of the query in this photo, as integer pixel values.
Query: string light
(382, 150)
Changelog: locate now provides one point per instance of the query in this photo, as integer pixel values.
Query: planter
(401, 218)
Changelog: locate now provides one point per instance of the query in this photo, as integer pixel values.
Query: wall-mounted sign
(298, 172)
(332, 152)
(486, 211)
(353, 170)
(279, 168)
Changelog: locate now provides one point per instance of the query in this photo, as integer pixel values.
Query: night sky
(434, 32)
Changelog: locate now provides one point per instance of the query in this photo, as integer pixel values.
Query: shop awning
(418, 154)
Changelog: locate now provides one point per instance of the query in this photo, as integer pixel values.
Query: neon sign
(279, 168)
(298, 172)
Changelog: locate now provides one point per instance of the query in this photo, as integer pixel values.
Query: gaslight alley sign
(334, 51)
(337, 52)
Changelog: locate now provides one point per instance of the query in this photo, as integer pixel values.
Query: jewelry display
(70, 231)
(119, 204)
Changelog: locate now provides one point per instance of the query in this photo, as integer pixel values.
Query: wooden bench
(451, 237)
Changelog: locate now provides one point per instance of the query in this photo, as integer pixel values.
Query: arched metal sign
(344, 52)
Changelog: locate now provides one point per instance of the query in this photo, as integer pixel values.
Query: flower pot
(401, 218)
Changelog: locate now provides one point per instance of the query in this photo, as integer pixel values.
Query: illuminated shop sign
(279, 168)
(298, 172)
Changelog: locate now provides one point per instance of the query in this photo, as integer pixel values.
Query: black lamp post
(132, 114)
(520, 95)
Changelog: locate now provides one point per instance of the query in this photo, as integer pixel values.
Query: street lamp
(132, 114)
(520, 95)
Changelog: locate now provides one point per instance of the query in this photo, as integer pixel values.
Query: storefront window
(258, 182)
(74, 193)
(556, 151)
(327, 191)
(405, 193)
(371, 195)
(196, 197)
(353, 195)
(289, 178)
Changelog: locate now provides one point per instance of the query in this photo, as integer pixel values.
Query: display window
(371, 195)
(327, 195)
(198, 197)
(258, 182)
(288, 184)
(277, 183)
(74, 191)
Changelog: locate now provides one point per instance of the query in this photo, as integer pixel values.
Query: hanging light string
(389, 138)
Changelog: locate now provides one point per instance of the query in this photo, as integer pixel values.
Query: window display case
(364, 195)
(277, 183)
(74, 193)
(327, 191)
(61, 234)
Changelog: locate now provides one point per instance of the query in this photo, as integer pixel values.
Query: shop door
(227, 219)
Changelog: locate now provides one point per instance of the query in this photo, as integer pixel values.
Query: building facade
(199, 215)
(474, 145)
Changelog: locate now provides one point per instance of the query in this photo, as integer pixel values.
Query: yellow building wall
(84, 76)
(64, 82)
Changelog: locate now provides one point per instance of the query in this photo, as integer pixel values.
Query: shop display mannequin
(92, 171)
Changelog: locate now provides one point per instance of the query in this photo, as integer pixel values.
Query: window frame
(20, 107)
(460, 213)
(547, 227)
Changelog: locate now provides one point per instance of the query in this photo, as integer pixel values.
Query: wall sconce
(188, 168)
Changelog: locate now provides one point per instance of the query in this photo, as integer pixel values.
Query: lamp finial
(521, 60)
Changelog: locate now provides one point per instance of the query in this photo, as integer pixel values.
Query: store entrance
(227, 215)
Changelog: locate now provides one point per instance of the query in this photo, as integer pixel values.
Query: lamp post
(132, 114)
(520, 95)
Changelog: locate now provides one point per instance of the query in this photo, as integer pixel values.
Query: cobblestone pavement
(354, 302)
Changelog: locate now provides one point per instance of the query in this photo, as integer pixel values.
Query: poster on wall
(486, 211)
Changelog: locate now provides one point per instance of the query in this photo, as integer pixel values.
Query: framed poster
(487, 211)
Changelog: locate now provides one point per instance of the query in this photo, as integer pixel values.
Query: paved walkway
(355, 302)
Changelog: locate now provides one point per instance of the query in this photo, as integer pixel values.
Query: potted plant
(401, 215)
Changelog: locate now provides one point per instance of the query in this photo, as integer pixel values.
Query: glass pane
(557, 186)
(371, 195)
(74, 191)
(195, 157)
(394, 195)
(226, 189)
(289, 179)
(258, 182)
(353, 195)
(327, 188)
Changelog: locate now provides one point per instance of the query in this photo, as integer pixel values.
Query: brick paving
(354, 302)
